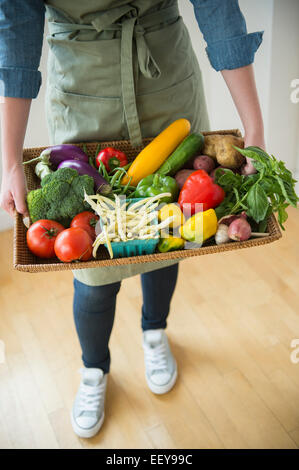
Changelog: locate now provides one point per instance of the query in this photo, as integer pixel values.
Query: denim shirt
(22, 27)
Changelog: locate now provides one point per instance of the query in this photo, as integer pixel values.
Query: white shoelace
(156, 358)
(90, 397)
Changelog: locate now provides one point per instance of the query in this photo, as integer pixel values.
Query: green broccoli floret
(56, 190)
(60, 197)
(78, 187)
(38, 205)
(67, 176)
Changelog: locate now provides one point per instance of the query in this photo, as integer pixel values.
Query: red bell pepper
(200, 188)
(111, 158)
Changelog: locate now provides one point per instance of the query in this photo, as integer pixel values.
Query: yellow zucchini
(157, 151)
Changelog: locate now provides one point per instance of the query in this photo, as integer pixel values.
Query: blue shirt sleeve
(21, 38)
(224, 29)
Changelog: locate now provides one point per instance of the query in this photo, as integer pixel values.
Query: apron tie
(127, 81)
(131, 27)
(147, 64)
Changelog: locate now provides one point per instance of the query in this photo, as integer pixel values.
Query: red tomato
(41, 237)
(86, 220)
(73, 244)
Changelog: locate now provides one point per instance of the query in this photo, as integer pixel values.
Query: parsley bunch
(271, 189)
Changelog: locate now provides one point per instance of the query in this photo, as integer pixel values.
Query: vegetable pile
(189, 188)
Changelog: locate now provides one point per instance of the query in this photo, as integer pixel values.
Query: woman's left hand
(256, 140)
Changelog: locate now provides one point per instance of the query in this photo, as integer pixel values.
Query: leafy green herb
(271, 189)
(257, 203)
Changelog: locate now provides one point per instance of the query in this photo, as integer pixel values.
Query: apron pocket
(183, 100)
(87, 67)
(74, 117)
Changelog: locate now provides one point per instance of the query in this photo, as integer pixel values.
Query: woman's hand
(14, 190)
(14, 117)
(254, 140)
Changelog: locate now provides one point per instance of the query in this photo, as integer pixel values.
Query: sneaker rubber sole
(89, 432)
(161, 389)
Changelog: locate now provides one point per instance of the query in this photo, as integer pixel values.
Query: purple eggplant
(83, 168)
(53, 156)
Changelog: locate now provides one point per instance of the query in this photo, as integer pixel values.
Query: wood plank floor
(233, 318)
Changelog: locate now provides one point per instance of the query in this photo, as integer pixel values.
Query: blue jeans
(94, 309)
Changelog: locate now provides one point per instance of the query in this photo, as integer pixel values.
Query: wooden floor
(233, 318)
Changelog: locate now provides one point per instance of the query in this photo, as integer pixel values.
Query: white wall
(283, 116)
(223, 114)
(276, 64)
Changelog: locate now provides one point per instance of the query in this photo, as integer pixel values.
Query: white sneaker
(87, 415)
(160, 365)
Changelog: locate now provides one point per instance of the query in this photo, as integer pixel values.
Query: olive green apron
(119, 70)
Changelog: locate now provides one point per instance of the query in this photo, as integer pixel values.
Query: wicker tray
(24, 260)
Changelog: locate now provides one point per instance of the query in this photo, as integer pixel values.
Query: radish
(239, 229)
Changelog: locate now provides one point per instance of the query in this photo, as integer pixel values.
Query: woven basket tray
(24, 260)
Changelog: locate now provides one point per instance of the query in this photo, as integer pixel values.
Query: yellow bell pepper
(200, 226)
(169, 210)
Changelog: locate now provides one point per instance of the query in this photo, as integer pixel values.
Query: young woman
(117, 69)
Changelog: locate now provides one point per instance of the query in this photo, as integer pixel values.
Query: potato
(182, 175)
(220, 147)
(227, 156)
(204, 162)
(210, 143)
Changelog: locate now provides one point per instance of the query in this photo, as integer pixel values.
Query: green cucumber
(191, 145)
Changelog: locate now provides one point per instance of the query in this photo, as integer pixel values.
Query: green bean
(91, 162)
(104, 171)
(114, 178)
(100, 170)
(117, 168)
(85, 149)
(122, 171)
(127, 185)
(119, 179)
(97, 150)
(117, 191)
(123, 168)
(127, 166)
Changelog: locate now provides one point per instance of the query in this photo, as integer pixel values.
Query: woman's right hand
(14, 190)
